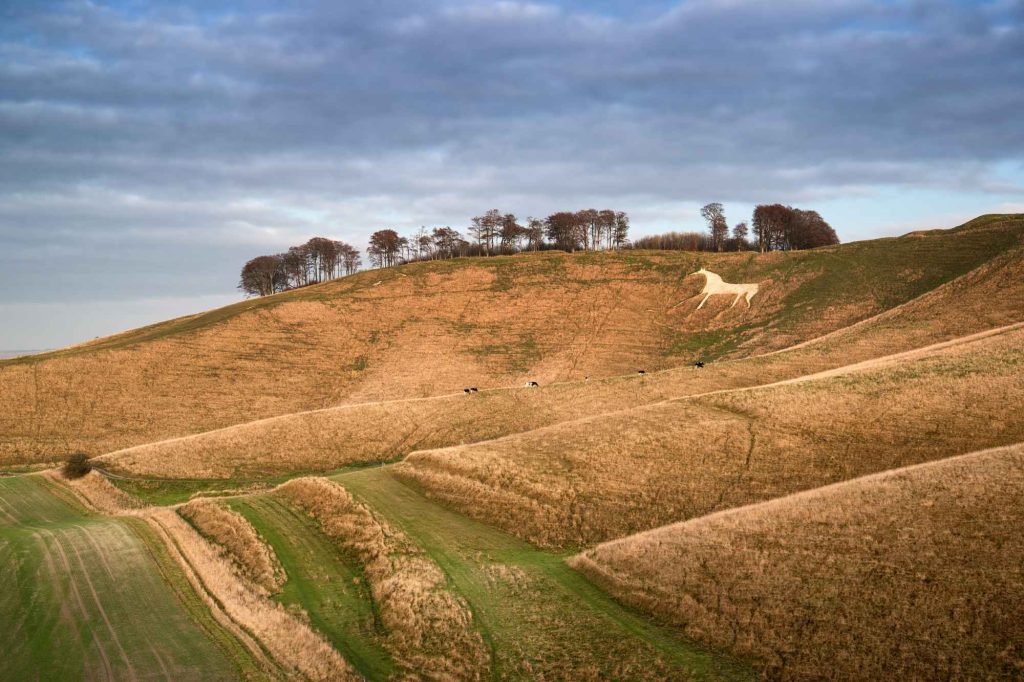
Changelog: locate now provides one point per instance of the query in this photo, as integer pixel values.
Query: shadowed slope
(429, 328)
(909, 574)
(611, 475)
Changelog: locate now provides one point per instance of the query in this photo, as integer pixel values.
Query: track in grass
(85, 597)
(323, 581)
(541, 618)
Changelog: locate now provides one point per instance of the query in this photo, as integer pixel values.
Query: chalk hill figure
(716, 285)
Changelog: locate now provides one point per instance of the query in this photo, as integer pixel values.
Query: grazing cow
(467, 390)
(475, 389)
(714, 284)
(532, 384)
(642, 372)
(699, 364)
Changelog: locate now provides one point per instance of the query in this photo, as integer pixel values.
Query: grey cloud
(223, 130)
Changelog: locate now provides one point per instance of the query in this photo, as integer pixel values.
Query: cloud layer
(147, 152)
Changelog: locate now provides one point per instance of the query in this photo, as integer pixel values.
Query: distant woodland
(773, 227)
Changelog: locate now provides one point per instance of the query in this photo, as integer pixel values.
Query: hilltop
(431, 328)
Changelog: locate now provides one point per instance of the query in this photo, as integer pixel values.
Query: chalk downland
(433, 328)
(607, 476)
(910, 574)
(324, 440)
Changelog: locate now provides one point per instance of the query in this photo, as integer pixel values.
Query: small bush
(77, 465)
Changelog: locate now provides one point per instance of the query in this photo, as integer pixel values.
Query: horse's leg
(706, 297)
(737, 299)
(750, 295)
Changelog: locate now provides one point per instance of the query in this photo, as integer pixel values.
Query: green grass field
(541, 619)
(322, 581)
(91, 597)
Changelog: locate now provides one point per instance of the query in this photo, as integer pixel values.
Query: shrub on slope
(611, 475)
(909, 574)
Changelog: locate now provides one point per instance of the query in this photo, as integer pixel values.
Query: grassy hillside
(909, 574)
(431, 328)
(989, 296)
(610, 475)
(88, 597)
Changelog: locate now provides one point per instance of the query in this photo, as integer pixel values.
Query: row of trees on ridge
(775, 227)
(318, 260)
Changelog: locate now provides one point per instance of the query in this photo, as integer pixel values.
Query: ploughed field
(87, 596)
(297, 487)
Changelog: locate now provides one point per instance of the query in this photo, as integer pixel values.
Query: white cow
(716, 285)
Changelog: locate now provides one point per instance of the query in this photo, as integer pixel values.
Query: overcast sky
(148, 149)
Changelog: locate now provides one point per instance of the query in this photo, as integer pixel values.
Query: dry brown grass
(612, 475)
(909, 574)
(327, 439)
(432, 328)
(241, 543)
(430, 630)
(99, 494)
(289, 640)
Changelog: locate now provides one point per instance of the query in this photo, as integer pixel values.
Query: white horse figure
(716, 285)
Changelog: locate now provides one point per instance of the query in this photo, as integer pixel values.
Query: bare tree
(564, 230)
(534, 233)
(620, 230)
(718, 228)
(447, 242)
(385, 245)
(263, 275)
(511, 233)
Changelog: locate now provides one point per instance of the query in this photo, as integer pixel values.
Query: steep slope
(610, 475)
(909, 574)
(430, 328)
(989, 296)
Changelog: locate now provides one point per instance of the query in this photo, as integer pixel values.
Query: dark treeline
(318, 260)
(775, 228)
(496, 233)
(493, 233)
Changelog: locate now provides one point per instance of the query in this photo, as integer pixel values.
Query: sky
(147, 150)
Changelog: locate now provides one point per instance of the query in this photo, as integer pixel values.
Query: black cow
(699, 364)
(532, 384)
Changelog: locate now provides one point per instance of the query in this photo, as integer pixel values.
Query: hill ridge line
(892, 312)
